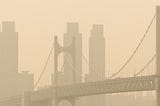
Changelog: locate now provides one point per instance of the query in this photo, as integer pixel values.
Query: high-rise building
(11, 81)
(96, 63)
(9, 49)
(97, 54)
(73, 31)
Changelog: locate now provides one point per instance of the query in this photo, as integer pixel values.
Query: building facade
(11, 81)
(73, 33)
(96, 63)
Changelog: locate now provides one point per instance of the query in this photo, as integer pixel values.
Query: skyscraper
(9, 49)
(97, 54)
(73, 31)
(96, 63)
(12, 82)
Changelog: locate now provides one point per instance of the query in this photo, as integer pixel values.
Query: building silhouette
(96, 63)
(11, 81)
(73, 33)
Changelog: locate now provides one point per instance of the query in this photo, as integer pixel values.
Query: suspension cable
(45, 66)
(137, 48)
(143, 69)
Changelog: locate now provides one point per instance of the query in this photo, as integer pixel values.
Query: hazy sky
(37, 21)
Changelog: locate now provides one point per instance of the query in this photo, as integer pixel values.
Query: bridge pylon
(57, 50)
(158, 54)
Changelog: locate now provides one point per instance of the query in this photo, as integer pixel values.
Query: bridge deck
(131, 84)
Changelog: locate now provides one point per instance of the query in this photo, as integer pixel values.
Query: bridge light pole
(158, 53)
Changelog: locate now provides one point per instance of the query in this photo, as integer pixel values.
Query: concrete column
(158, 53)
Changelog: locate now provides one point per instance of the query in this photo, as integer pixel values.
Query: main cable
(149, 62)
(44, 68)
(137, 48)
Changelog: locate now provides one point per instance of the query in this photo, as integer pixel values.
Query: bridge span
(132, 84)
(54, 95)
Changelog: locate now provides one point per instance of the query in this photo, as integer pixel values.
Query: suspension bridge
(56, 93)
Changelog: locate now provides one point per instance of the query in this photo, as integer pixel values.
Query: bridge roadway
(131, 84)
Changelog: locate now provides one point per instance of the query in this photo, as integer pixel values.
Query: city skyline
(96, 59)
(45, 17)
(79, 53)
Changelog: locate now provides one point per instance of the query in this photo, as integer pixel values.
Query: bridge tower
(57, 50)
(158, 52)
